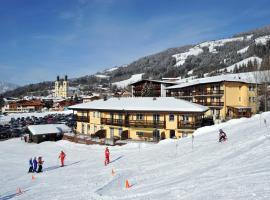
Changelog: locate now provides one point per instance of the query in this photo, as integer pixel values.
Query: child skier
(34, 164)
(30, 166)
(62, 156)
(107, 156)
(40, 162)
(222, 136)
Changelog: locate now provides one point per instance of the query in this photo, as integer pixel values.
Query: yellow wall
(95, 121)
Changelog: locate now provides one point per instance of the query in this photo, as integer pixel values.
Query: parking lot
(17, 127)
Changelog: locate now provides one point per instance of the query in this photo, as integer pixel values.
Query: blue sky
(43, 38)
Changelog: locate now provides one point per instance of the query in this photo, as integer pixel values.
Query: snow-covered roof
(214, 79)
(155, 81)
(48, 129)
(142, 104)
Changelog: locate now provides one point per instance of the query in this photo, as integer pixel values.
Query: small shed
(47, 132)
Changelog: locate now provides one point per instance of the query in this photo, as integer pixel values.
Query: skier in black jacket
(222, 136)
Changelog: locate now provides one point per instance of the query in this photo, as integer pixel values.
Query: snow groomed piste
(201, 168)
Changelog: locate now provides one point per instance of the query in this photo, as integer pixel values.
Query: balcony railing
(189, 125)
(210, 104)
(109, 121)
(146, 123)
(133, 123)
(208, 92)
(82, 119)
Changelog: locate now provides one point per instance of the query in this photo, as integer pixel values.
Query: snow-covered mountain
(188, 169)
(4, 86)
(206, 57)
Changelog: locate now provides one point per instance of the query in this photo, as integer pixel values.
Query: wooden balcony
(133, 123)
(146, 123)
(208, 93)
(82, 119)
(115, 122)
(189, 125)
(210, 104)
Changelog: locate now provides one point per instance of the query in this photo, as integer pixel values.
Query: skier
(40, 162)
(222, 136)
(30, 166)
(62, 158)
(34, 164)
(107, 156)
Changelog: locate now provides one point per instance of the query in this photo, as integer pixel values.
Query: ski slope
(170, 170)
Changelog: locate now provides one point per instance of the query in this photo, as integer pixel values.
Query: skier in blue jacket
(35, 164)
(30, 166)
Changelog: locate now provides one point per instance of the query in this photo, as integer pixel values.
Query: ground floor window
(139, 133)
(111, 132)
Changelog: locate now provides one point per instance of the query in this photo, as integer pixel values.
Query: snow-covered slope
(132, 79)
(244, 62)
(196, 50)
(244, 50)
(172, 169)
(262, 40)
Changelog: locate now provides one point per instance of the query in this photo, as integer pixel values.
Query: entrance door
(172, 133)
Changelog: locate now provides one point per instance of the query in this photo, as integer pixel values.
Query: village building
(140, 118)
(150, 88)
(227, 96)
(19, 106)
(47, 132)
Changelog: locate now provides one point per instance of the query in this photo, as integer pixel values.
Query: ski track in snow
(172, 169)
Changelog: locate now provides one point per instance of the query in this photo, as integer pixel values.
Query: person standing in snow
(62, 158)
(34, 164)
(30, 166)
(222, 136)
(107, 156)
(40, 163)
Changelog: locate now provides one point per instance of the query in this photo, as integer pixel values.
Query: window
(94, 114)
(140, 134)
(254, 99)
(171, 117)
(88, 128)
(120, 116)
(250, 99)
(239, 98)
(139, 117)
(120, 130)
(156, 117)
(111, 132)
(185, 118)
(239, 87)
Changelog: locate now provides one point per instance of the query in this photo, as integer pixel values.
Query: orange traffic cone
(113, 173)
(33, 178)
(19, 191)
(127, 184)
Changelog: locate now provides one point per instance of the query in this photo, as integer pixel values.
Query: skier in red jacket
(62, 156)
(107, 156)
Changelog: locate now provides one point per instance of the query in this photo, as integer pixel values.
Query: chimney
(58, 78)
(66, 77)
